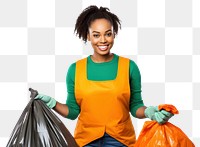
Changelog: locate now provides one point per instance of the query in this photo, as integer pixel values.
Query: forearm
(136, 103)
(61, 109)
(140, 112)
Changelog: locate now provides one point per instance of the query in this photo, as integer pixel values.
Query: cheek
(111, 40)
(94, 41)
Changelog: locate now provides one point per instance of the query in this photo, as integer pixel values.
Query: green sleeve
(135, 86)
(74, 108)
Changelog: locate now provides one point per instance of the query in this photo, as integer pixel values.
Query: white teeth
(103, 47)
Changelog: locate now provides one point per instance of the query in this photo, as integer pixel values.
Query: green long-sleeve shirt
(101, 72)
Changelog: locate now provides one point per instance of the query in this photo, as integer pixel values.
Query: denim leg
(95, 143)
(105, 141)
(109, 141)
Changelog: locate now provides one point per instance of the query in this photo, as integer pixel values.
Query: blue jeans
(105, 141)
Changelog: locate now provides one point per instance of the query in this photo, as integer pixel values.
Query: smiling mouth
(103, 47)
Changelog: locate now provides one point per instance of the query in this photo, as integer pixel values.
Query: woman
(104, 87)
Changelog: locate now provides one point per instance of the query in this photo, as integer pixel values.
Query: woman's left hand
(153, 113)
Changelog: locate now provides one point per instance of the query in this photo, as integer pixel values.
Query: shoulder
(122, 57)
(72, 66)
(133, 67)
(81, 60)
(132, 63)
(123, 60)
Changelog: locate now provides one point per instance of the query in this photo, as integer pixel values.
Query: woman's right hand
(49, 101)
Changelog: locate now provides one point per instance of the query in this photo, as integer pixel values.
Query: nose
(103, 39)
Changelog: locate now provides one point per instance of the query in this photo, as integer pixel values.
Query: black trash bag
(38, 126)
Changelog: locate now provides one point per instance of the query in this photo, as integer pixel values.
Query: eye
(95, 35)
(109, 34)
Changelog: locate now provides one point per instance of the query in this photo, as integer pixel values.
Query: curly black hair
(90, 14)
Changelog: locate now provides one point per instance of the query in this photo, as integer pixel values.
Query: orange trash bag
(165, 135)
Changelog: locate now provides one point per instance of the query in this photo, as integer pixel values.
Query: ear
(88, 37)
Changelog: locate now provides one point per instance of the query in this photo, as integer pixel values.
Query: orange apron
(104, 106)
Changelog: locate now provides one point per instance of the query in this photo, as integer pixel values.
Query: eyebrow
(99, 32)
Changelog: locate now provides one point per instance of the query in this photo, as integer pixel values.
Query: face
(101, 36)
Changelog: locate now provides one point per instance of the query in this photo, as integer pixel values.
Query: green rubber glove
(49, 101)
(160, 116)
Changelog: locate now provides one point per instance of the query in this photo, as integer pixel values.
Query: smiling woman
(99, 26)
(101, 36)
(103, 87)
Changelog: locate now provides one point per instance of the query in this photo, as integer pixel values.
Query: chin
(103, 53)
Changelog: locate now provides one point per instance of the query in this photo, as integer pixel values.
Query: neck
(103, 58)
